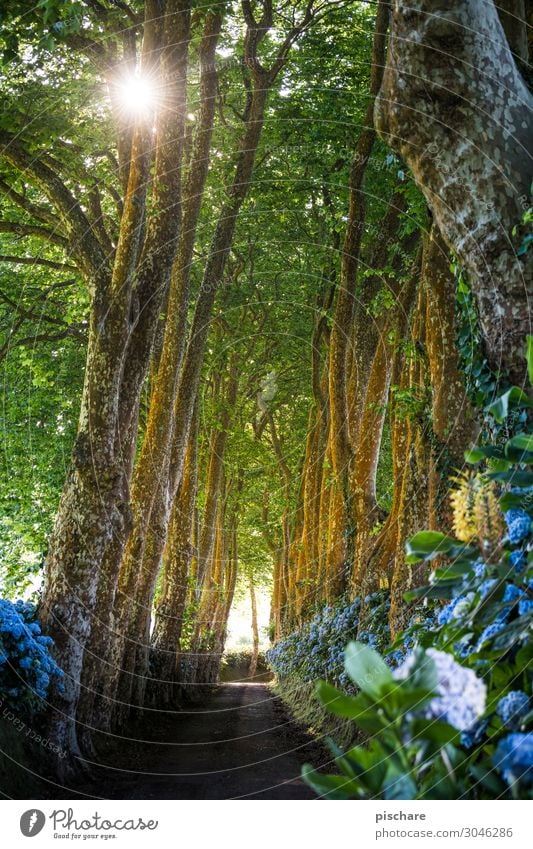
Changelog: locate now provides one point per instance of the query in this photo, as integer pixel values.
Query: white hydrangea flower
(463, 606)
(461, 695)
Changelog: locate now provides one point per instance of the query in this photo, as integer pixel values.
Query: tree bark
(255, 631)
(454, 106)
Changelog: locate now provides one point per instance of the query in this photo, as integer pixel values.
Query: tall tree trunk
(391, 328)
(92, 512)
(255, 630)
(149, 487)
(413, 509)
(206, 560)
(190, 374)
(170, 607)
(453, 420)
(454, 106)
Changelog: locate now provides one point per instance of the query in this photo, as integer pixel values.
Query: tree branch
(85, 244)
(20, 229)
(24, 313)
(30, 260)
(20, 200)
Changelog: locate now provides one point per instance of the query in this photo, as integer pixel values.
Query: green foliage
(317, 648)
(42, 373)
(432, 738)
(481, 383)
(409, 757)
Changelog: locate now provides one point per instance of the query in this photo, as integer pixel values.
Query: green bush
(455, 718)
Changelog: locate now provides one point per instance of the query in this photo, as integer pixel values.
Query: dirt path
(240, 744)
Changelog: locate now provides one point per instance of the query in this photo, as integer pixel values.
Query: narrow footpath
(240, 744)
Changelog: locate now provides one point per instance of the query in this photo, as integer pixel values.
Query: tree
(464, 129)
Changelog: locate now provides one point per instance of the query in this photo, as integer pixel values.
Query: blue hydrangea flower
(513, 708)
(518, 525)
(511, 594)
(485, 587)
(525, 606)
(514, 758)
(396, 657)
(26, 667)
(460, 695)
(316, 650)
(446, 613)
(475, 735)
(480, 569)
(517, 559)
(462, 605)
(489, 632)
(464, 647)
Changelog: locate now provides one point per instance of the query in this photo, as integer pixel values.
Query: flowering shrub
(27, 669)
(460, 695)
(415, 718)
(454, 719)
(317, 649)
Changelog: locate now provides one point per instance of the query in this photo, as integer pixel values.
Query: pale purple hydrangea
(460, 695)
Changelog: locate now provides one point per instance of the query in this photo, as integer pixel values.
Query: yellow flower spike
(489, 518)
(463, 502)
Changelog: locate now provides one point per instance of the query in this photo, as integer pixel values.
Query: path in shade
(240, 744)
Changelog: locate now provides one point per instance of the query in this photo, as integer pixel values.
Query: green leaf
(513, 499)
(439, 733)
(513, 633)
(529, 357)
(520, 448)
(511, 399)
(423, 674)
(429, 544)
(488, 778)
(332, 786)
(513, 476)
(339, 704)
(443, 589)
(366, 668)
(399, 786)
(481, 452)
(369, 765)
(412, 695)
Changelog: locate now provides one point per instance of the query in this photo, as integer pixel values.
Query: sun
(136, 94)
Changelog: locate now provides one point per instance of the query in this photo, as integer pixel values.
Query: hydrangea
(513, 708)
(517, 559)
(489, 633)
(485, 588)
(511, 594)
(316, 650)
(480, 569)
(462, 605)
(396, 657)
(26, 665)
(464, 647)
(446, 614)
(525, 606)
(475, 735)
(460, 695)
(518, 525)
(514, 758)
